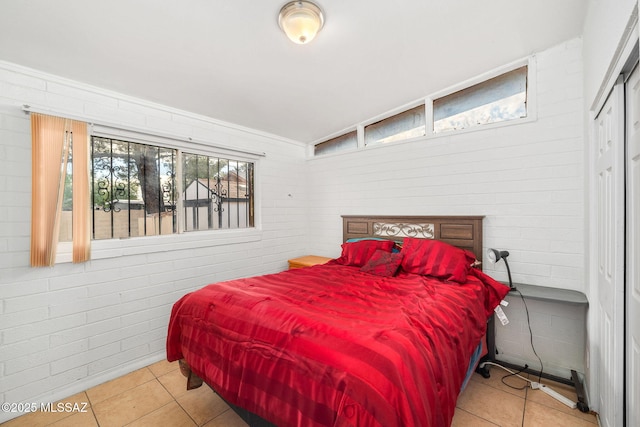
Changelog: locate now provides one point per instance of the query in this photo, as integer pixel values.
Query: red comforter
(332, 346)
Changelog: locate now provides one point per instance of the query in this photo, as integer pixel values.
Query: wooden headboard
(462, 231)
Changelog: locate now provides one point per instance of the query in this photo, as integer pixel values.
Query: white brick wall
(67, 328)
(559, 335)
(526, 179)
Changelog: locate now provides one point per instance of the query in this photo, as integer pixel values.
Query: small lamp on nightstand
(495, 256)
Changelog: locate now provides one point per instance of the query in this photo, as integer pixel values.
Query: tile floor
(156, 396)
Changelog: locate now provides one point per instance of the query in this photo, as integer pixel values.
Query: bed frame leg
(582, 401)
(193, 381)
(483, 369)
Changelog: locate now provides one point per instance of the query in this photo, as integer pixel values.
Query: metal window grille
(218, 193)
(133, 189)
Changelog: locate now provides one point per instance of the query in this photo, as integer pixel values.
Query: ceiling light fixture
(301, 21)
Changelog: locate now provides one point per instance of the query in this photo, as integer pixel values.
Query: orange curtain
(81, 193)
(52, 140)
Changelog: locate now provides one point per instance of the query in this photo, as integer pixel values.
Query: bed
(384, 335)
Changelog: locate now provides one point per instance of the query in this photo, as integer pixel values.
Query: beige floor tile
(202, 404)
(157, 395)
(41, 419)
(132, 404)
(491, 404)
(462, 418)
(112, 388)
(175, 383)
(513, 385)
(76, 398)
(227, 419)
(170, 414)
(79, 419)
(162, 367)
(538, 415)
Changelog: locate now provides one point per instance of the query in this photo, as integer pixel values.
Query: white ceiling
(229, 60)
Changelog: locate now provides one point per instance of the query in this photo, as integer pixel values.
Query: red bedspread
(332, 346)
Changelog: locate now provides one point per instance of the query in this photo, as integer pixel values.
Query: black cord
(513, 374)
(526, 309)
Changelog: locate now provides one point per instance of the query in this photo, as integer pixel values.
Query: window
(508, 96)
(406, 125)
(495, 100)
(133, 189)
(340, 143)
(100, 188)
(217, 193)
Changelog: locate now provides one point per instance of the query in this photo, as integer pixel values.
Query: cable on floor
(526, 309)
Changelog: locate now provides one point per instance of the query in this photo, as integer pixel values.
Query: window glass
(406, 125)
(133, 189)
(66, 215)
(495, 100)
(218, 193)
(340, 143)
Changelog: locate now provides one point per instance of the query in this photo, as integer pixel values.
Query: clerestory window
(405, 125)
(503, 98)
(348, 141)
(498, 99)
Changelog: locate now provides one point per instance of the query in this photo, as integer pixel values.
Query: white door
(633, 249)
(609, 176)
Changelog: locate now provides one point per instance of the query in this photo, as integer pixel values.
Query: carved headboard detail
(462, 231)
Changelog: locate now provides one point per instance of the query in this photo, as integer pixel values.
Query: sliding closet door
(633, 249)
(609, 181)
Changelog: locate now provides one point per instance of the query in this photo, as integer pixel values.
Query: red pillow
(358, 253)
(434, 258)
(383, 263)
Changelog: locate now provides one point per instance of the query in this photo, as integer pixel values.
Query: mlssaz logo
(64, 407)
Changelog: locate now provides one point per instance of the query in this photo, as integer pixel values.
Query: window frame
(250, 213)
(388, 115)
(531, 102)
(339, 150)
(359, 129)
(532, 112)
(117, 247)
(104, 182)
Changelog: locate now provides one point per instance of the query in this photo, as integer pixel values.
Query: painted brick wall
(558, 330)
(526, 179)
(67, 328)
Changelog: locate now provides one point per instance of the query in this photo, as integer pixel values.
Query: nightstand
(307, 261)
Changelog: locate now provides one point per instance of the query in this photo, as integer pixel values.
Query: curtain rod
(118, 127)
